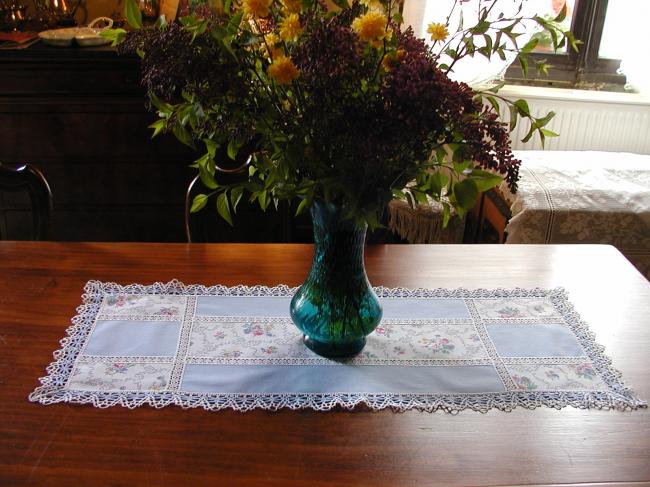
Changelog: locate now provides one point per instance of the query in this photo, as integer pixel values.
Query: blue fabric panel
(339, 378)
(534, 341)
(134, 338)
(243, 306)
(404, 308)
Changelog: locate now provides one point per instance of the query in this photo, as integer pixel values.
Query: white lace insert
(236, 347)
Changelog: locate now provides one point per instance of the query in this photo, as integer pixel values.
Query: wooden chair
(26, 179)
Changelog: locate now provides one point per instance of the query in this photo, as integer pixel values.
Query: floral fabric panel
(567, 377)
(513, 309)
(120, 376)
(215, 348)
(147, 305)
(257, 339)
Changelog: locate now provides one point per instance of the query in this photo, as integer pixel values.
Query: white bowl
(58, 37)
(86, 37)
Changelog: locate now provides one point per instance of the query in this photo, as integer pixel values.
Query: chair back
(30, 181)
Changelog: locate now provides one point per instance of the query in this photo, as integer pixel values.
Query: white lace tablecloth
(218, 347)
(584, 197)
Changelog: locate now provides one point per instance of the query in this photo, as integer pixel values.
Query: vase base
(334, 350)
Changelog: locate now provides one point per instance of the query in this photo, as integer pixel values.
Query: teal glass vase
(336, 308)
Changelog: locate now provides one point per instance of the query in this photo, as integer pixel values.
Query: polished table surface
(40, 287)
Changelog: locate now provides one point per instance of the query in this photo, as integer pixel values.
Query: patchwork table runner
(218, 347)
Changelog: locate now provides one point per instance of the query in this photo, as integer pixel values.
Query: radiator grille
(584, 125)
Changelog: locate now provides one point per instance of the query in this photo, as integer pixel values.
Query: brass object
(149, 9)
(58, 12)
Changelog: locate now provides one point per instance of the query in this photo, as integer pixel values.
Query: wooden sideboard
(79, 115)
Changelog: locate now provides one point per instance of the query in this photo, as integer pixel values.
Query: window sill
(565, 94)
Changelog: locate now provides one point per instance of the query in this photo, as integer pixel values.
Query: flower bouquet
(338, 106)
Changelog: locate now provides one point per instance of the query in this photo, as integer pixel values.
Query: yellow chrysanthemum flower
(268, 46)
(292, 6)
(370, 26)
(391, 59)
(256, 8)
(290, 28)
(438, 32)
(282, 70)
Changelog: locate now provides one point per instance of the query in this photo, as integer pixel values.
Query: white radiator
(585, 120)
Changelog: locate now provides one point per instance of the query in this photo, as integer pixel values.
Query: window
(596, 64)
(608, 29)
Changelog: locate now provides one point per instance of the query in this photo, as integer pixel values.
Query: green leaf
(530, 133)
(452, 53)
(211, 147)
(480, 28)
(437, 181)
(263, 199)
(460, 167)
(183, 135)
(549, 133)
(488, 43)
(161, 23)
(495, 89)
(235, 196)
(562, 15)
(235, 21)
(420, 197)
(304, 203)
(553, 34)
(485, 180)
(522, 107)
(466, 192)
(224, 208)
(523, 62)
(207, 178)
(446, 214)
(233, 149)
(543, 121)
(513, 118)
(158, 126)
(116, 36)
(164, 108)
(495, 104)
(530, 45)
(133, 14)
(199, 202)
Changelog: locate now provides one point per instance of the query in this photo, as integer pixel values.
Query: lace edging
(452, 403)
(52, 386)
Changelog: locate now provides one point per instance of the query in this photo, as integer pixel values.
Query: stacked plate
(84, 36)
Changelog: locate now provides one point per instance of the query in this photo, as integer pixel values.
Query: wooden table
(40, 286)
